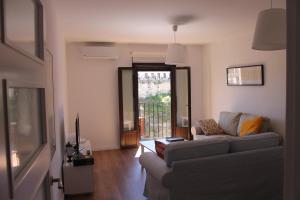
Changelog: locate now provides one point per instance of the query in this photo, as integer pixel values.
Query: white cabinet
(78, 179)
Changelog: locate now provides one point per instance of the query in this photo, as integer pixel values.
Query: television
(77, 129)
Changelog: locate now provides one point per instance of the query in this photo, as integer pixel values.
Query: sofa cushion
(196, 130)
(245, 116)
(210, 127)
(266, 126)
(229, 122)
(210, 137)
(251, 142)
(251, 126)
(193, 149)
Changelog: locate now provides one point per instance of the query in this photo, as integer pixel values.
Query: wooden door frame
(163, 67)
(135, 134)
(292, 137)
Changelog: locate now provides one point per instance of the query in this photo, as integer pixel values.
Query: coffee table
(150, 144)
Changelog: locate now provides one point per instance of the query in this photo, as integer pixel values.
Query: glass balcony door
(183, 102)
(154, 102)
(129, 135)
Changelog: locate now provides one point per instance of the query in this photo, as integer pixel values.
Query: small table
(150, 144)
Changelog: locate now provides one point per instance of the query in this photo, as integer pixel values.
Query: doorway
(154, 102)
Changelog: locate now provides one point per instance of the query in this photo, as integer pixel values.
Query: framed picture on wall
(245, 75)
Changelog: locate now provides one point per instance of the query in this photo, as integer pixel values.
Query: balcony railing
(154, 119)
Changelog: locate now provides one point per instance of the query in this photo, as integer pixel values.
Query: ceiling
(149, 21)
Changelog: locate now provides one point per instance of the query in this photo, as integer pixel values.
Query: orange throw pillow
(251, 126)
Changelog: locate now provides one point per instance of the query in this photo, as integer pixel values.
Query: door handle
(58, 181)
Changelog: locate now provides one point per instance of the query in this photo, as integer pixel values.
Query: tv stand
(79, 179)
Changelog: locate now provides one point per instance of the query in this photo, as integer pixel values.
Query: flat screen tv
(77, 134)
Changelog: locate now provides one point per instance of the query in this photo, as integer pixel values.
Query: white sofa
(217, 168)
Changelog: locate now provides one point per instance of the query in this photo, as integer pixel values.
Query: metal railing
(154, 119)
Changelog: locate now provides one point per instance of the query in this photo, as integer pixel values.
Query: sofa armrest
(154, 165)
(193, 131)
(196, 130)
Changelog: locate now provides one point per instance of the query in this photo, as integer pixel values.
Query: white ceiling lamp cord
(175, 27)
(271, 3)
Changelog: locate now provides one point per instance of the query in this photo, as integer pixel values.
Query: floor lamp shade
(175, 54)
(270, 30)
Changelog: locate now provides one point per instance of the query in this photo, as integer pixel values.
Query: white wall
(56, 44)
(267, 100)
(93, 91)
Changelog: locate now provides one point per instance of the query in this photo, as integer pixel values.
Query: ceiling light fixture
(176, 52)
(270, 30)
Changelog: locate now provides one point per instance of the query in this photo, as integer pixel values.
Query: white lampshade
(270, 31)
(175, 54)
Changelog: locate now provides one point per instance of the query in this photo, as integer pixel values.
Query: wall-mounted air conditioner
(148, 57)
(99, 52)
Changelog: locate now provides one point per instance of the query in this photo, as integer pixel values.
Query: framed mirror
(23, 26)
(245, 75)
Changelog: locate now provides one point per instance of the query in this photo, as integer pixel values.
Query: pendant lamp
(176, 52)
(270, 30)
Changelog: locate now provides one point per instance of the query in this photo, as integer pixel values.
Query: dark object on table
(175, 139)
(83, 160)
(160, 148)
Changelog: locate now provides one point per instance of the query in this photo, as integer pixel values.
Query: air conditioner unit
(148, 57)
(99, 52)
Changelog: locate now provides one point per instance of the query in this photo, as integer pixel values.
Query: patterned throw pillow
(210, 127)
(160, 149)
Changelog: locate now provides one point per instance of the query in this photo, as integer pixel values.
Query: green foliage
(160, 97)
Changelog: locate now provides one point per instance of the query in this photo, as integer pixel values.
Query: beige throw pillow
(210, 127)
(229, 122)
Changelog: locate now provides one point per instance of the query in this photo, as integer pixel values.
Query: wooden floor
(118, 176)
